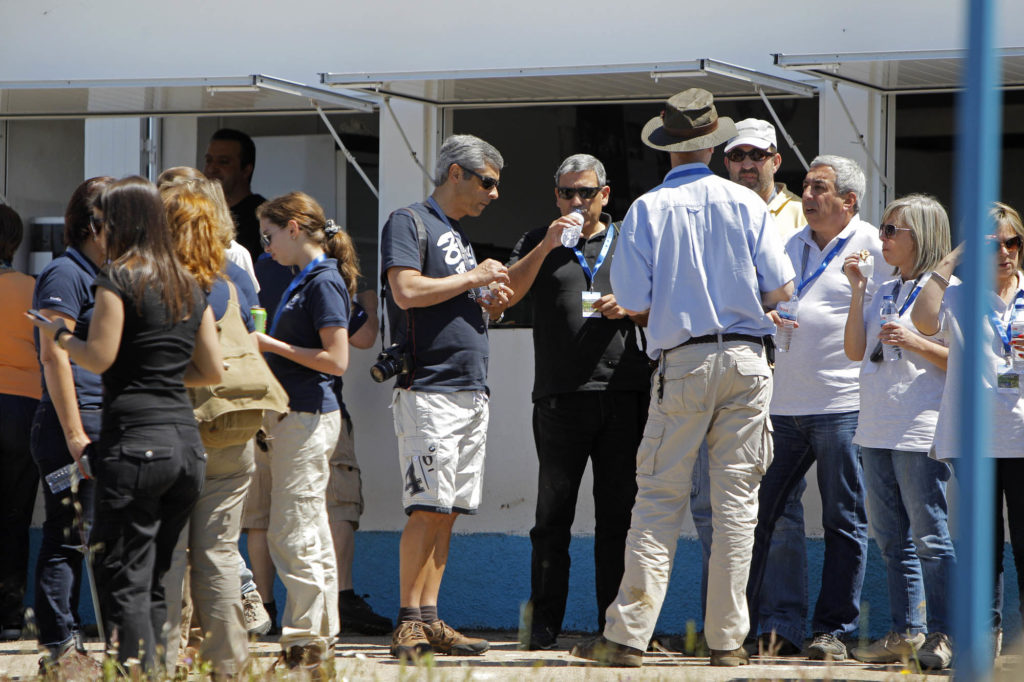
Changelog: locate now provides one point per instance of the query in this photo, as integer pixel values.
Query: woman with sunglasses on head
(151, 334)
(939, 308)
(306, 346)
(906, 489)
(67, 420)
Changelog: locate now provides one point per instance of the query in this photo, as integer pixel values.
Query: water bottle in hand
(890, 314)
(1016, 331)
(571, 235)
(60, 480)
(784, 334)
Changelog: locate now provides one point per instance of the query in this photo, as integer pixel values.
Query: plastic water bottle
(1017, 330)
(890, 314)
(61, 479)
(571, 235)
(784, 334)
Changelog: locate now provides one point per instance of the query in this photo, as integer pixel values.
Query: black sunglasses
(1011, 244)
(486, 182)
(756, 155)
(96, 222)
(265, 239)
(584, 193)
(889, 231)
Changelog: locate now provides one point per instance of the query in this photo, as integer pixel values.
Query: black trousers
(1009, 479)
(604, 427)
(149, 478)
(18, 482)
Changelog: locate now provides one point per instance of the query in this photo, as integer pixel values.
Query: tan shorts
(345, 487)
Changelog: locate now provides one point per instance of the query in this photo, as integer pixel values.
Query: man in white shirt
(816, 402)
(702, 255)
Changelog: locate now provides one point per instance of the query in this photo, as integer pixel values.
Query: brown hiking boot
(409, 640)
(606, 652)
(308, 658)
(445, 639)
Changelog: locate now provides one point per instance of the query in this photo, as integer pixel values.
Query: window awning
(252, 94)
(600, 84)
(905, 72)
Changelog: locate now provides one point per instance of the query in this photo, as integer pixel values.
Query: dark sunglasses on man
(584, 193)
(485, 182)
(756, 155)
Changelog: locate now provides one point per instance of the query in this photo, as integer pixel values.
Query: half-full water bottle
(571, 235)
(890, 314)
(60, 480)
(784, 334)
(1016, 330)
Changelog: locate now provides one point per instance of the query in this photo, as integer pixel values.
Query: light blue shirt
(698, 251)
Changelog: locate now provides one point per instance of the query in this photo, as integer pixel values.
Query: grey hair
(579, 163)
(468, 151)
(849, 176)
(929, 226)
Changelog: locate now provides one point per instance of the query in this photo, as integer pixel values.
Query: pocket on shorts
(421, 459)
(654, 433)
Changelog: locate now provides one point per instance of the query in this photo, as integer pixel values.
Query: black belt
(713, 338)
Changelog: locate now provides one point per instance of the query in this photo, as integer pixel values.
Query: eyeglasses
(889, 231)
(756, 155)
(265, 239)
(584, 193)
(1011, 244)
(486, 182)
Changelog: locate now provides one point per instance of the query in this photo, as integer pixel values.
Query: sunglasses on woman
(889, 231)
(1012, 244)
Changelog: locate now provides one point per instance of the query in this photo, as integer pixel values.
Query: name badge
(1008, 382)
(588, 301)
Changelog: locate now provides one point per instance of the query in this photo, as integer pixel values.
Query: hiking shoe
(606, 652)
(694, 644)
(893, 648)
(257, 620)
(308, 658)
(730, 659)
(826, 647)
(776, 646)
(357, 616)
(936, 653)
(444, 639)
(70, 665)
(409, 640)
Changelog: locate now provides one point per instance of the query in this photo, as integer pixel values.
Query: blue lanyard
(910, 299)
(296, 281)
(996, 321)
(821, 268)
(609, 237)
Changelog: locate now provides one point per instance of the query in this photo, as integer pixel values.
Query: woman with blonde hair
(900, 393)
(306, 347)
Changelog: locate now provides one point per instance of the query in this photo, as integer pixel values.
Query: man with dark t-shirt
(231, 160)
(590, 393)
(439, 302)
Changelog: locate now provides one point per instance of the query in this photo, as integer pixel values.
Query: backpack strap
(421, 238)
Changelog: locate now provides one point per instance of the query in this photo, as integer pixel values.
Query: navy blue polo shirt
(219, 295)
(274, 278)
(321, 300)
(65, 285)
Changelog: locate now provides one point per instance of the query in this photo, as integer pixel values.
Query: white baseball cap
(755, 132)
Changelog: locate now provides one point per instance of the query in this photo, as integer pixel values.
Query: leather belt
(713, 338)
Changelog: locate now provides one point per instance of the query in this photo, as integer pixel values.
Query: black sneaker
(826, 647)
(540, 639)
(357, 616)
(775, 645)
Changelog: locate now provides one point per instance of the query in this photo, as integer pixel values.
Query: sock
(409, 613)
(428, 614)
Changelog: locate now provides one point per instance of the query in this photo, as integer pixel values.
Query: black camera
(390, 363)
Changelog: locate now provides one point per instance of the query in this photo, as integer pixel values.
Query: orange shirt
(19, 368)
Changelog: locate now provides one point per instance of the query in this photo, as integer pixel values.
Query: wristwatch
(60, 334)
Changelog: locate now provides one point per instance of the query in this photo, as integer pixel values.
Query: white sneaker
(936, 653)
(257, 620)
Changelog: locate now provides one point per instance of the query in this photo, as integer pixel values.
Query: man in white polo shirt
(816, 402)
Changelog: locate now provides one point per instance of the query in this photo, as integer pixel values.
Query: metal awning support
(345, 151)
(401, 131)
(860, 139)
(362, 102)
(785, 133)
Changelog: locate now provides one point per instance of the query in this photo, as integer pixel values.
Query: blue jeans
(908, 514)
(59, 566)
(799, 442)
(783, 608)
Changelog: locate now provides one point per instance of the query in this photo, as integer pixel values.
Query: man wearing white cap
(752, 159)
(703, 256)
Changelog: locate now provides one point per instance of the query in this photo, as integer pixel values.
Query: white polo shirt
(815, 376)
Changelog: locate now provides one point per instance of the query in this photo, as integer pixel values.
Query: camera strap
(421, 237)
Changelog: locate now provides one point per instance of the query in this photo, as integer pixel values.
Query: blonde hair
(1004, 213)
(309, 216)
(192, 216)
(929, 227)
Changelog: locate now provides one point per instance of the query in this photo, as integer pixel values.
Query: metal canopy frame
(134, 97)
(597, 84)
(901, 72)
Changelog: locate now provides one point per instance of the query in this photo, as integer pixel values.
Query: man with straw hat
(702, 256)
